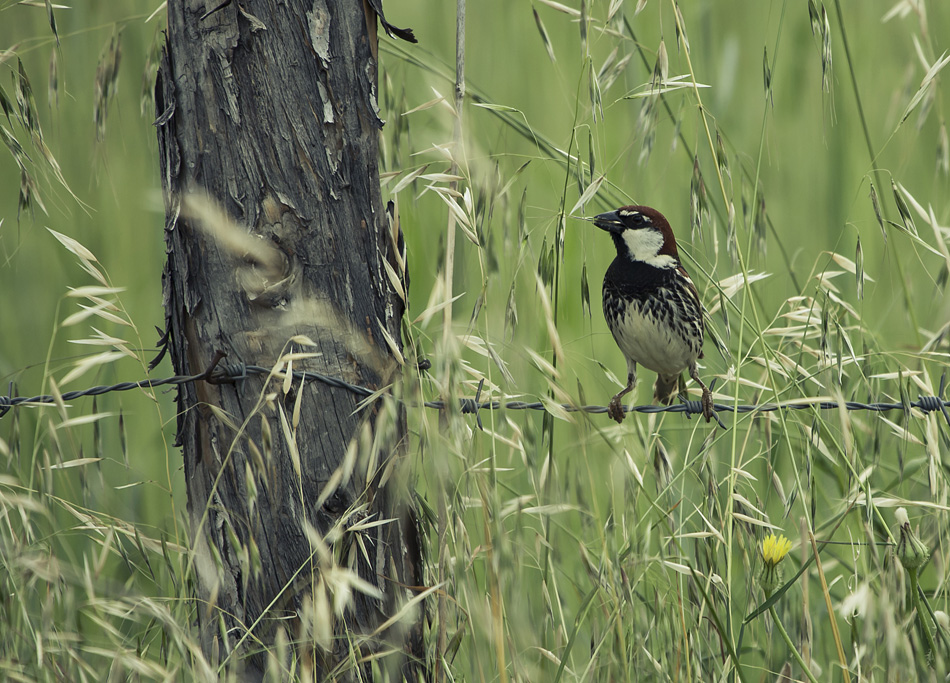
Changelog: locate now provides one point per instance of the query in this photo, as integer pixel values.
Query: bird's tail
(666, 387)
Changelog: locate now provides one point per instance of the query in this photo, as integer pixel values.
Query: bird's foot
(615, 409)
(707, 404)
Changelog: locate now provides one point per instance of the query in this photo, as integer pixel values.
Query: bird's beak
(609, 221)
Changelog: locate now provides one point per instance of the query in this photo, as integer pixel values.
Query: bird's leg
(707, 394)
(615, 409)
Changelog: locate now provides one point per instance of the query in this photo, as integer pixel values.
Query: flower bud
(911, 551)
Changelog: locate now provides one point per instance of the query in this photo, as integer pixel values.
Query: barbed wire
(232, 373)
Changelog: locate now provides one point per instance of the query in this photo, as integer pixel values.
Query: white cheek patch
(644, 246)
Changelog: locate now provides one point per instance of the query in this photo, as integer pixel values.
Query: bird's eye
(635, 218)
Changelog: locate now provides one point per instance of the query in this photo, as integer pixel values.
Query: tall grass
(801, 154)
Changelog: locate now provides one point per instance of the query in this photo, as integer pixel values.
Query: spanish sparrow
(651, 306)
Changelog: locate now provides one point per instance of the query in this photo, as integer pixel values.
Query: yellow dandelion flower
(775, 548)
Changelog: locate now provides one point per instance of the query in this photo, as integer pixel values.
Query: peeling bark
(270, 109)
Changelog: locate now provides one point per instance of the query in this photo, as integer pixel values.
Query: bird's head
(642, 234)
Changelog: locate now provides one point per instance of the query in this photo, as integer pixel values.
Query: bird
(651, 305)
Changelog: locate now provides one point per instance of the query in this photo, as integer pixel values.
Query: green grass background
(569, 543)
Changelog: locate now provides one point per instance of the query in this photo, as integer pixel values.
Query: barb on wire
(235, 373)
(10, 401)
